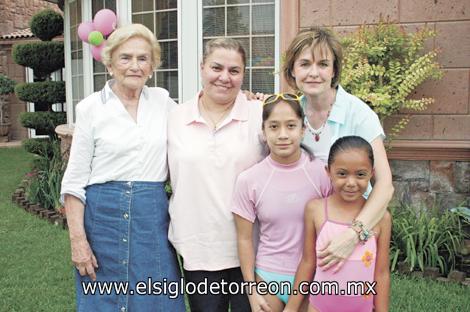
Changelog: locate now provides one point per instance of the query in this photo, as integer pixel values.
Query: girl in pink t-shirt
(274, 193)
(363, 281)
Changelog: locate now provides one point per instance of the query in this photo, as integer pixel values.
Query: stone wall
(15, 15)
(431, 182)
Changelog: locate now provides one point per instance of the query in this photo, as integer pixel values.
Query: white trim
(277, 45)
(88, 83)
(68, 65)
(124, 12)
(188, 44)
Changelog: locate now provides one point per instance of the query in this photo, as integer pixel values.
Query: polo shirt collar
(107, 93)
(240, 110)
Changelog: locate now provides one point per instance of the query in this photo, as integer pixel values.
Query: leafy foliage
(43, 121)
(43, 57)
(7, 85)
(47, 24)
(383, 65)
(425, 238)
(44, 181)
(48, 92)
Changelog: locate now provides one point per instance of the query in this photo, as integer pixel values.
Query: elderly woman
(113, 187)
(212, 138)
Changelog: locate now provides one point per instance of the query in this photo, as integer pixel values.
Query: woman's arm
(382, 265)
(247, 261)
(306, 268)
(342, 246)
(82, 255)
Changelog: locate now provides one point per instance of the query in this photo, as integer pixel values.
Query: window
(76, 49)
(252, 22)
(160, 16)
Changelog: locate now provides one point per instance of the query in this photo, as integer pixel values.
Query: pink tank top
(359, 267)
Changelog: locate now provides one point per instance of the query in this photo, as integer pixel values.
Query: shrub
(383, 65)
(40, 147)
(43, 121)
(425, 238)
(44, 182)
(43, 57)
(48, 92)
(7, 85)
(47, 24)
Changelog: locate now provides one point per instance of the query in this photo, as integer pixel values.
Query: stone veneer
(431, 182)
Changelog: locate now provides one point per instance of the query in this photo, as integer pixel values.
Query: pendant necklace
(317, 132)
(224, 114)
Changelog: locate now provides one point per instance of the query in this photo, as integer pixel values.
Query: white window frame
(188, 44)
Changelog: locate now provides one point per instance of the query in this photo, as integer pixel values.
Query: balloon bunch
(94, 33)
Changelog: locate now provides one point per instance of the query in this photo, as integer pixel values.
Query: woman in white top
(116, 206)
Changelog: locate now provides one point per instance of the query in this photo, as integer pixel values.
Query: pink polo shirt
(276, 196)
(204, 165)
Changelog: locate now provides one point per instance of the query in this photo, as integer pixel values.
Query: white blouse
(108, 145)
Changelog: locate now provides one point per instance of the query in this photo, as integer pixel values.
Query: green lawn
(36, 273)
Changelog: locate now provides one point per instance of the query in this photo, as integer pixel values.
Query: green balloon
(95, 38)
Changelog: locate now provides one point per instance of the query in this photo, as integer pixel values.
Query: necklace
(224, 114)
(316, 133)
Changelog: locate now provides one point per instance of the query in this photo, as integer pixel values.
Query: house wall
(430, 159)
(15, 15)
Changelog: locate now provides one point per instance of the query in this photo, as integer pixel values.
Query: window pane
(246, 80)
(169, 57)
(262, 80)
(213, 2)
(263, 51)
(214, 22)
(98, 67)
(169, 81)
(100, 81)
(166, 23)
(238, 20)
(145, 19)
(142, 5)
(165, 4)
(237, 1)
(110, 4)
(263, 19)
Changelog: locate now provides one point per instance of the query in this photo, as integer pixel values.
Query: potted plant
(7, 86)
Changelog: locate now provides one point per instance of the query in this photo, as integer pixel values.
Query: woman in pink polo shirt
(212, 138)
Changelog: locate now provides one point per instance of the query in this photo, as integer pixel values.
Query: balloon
(96, 51)
(105, 21)
(84, 29)
(95, 38)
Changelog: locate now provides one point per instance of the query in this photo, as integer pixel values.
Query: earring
(150, 76)
(111, 74)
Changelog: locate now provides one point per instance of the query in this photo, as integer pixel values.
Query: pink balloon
(84, 29)
(105, 21)
(96, 51)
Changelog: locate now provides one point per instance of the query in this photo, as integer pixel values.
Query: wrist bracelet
(362, 233)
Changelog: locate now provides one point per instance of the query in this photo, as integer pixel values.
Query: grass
(36, 272)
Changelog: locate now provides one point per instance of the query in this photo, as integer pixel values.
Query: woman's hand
(258, 303)
(83, 257)
(254, 96)
(338, 250)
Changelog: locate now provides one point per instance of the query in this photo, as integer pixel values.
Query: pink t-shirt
(276, 195)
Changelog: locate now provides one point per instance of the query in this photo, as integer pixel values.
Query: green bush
(383, 65)
(43, 121)
(44, 181)
(47, 24)
(43, 57)
(47, 92)
(7, 85)
(425, 238)
(40, 147)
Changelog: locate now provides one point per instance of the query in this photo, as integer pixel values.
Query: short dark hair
(348, 143)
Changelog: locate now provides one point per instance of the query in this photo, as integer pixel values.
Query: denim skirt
(126, 224)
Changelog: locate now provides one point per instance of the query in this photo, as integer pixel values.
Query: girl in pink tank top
(363, 282)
